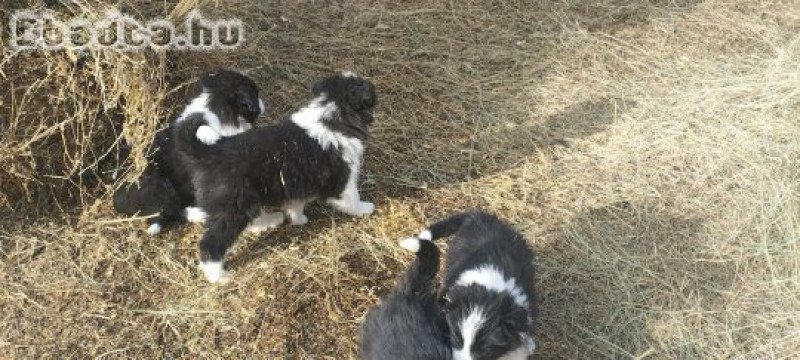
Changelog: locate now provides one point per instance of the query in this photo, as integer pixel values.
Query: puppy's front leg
(349, 202)
(294, 210)
(222, 231)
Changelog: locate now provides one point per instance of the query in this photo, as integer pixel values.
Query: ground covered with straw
(649, 151)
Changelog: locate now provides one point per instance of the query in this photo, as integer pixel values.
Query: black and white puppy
(487, 288)
(228, 104)
(408, 324)
(316, 153)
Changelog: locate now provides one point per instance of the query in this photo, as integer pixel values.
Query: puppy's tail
(418, 279)
(448, 226)
(186, 139)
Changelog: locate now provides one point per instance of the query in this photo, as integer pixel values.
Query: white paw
(195, 214)
(154, 229)
(529, 343)
(265, 221)
(207, 135)
(298, 220)
(214, 272)
(364, 208)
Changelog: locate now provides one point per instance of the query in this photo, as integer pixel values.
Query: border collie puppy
(228, 104)
(408, 324)
(314, 154)
(487, 287)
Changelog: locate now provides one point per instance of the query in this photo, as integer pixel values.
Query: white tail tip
(195, 214)
(154, 229)
(411, 244)
(425, 235)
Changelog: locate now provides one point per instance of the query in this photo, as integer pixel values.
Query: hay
(648, 150)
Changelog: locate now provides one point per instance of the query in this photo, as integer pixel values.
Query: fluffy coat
(407, 324)
(487, 288)
(314, 154)
(228, 104)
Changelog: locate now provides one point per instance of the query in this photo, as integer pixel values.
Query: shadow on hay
(611, 271)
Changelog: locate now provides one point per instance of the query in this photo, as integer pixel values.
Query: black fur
(407, 324)
(165, 187)
(480, 238)
(271, 165)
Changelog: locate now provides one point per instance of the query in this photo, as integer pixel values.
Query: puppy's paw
(265, 221)
(299, 220)
(195, 214)
(214, 272)
(529, 343)
(364, 208)
(154, 229)
(207, 135)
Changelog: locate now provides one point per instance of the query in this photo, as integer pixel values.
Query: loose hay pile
(649, 150)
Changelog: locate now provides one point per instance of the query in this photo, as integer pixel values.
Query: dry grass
(649, 150)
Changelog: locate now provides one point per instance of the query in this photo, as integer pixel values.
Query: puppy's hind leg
(264, 221)
(220, 234)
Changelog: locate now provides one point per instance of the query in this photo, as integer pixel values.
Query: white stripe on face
(469, 329)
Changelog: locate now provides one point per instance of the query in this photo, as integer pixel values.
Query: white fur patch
(207, 135)
(310, 119)
(261, 106)
(348, 73)
(195, 214)
(229, 130)
(425, 235)
(490, 277)
(520, 353)
(154, 229)
(213, 271)
(200, 105)
(214, 129)
(469, 328)
(411, 244)
(265, 221)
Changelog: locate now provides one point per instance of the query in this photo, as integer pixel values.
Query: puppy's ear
(207, 79)
(363, 96)
(316, 88)
(515, 318)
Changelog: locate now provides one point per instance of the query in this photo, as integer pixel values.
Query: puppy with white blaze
(316, 153)
(487, 288)
(228, 104)
(408, 324)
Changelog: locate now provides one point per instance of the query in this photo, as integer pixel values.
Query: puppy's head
(236, 92)
(354, 98)
(486, 325)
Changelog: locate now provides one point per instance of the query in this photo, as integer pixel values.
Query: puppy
(487, 288)
(314, 154)
(228, 104)
(408, 323)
